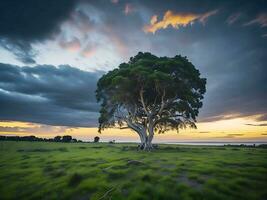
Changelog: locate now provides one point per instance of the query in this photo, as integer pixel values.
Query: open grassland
(38, 170)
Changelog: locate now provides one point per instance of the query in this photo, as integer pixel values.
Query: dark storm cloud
(50, 95)
(231, 56)
(21, 49)
(25, 22)
(228, 49)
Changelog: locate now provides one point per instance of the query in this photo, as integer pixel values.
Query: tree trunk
(145, 135)
(141, 131)
(144, 140)
(146, 144)
(150, 134)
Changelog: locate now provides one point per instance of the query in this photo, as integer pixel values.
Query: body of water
(217, 143)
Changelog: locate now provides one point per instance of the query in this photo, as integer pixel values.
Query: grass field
(38, 170)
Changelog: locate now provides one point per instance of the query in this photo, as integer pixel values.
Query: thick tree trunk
(145, 134)
(150, 134)
(141, 131)
(146, 144)
(144, 140)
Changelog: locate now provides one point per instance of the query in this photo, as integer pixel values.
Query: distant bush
(22, 138)
(32, 138)
(74, 140)
(96, 139)
(263, 146)
(57, 139)
(66, 138)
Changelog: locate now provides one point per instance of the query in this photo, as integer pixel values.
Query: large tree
(151, 94)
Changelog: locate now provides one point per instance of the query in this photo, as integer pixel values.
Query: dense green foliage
(39, 170)
(151, 94)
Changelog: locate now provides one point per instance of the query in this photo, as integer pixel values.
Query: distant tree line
(65, 138)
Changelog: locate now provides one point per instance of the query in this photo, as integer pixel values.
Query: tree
(66, 138)
(96, 139)
(74, 140)
(57, 139)
(151, 94)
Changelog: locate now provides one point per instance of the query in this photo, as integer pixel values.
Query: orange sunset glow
(236, 129)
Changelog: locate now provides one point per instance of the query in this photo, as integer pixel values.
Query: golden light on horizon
(229, 129)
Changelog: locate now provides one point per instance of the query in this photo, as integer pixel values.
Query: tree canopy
(151, 94)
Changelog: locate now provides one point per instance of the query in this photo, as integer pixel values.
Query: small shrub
(57, 139)
(66, 138)
(96, 139)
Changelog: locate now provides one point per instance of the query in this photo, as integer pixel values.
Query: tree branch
(143, 102)
(162, 102)
(165, 104)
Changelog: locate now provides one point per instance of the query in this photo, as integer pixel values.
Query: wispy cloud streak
(176, 20)
(260, 20)
(233, 18)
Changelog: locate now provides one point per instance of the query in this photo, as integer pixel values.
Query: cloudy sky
(53, 52)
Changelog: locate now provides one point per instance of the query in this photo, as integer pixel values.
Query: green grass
(37, 170)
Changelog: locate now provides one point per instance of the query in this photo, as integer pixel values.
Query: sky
(53, 52)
